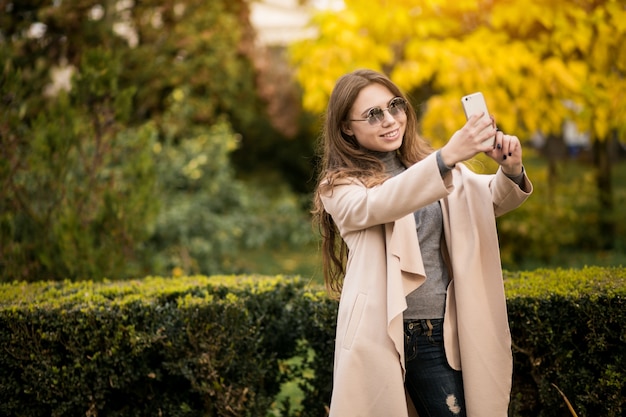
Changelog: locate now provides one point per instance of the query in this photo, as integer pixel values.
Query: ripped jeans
(435, 388)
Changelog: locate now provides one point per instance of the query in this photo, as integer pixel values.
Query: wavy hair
(341, 157)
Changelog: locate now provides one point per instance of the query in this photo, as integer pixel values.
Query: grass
(577, 259)
(304, 261)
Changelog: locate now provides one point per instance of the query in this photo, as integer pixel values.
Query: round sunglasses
(376, 115)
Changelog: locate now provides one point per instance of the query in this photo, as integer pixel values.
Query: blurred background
(176, 137)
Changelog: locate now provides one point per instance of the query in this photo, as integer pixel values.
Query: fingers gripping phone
(475, 104)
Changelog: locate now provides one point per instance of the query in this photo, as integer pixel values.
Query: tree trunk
(554, 150)
(606, 221)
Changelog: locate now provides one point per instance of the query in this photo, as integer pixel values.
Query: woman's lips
(391, 135)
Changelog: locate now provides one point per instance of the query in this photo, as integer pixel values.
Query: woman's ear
(345, 128)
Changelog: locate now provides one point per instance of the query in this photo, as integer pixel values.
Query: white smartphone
(475, 104)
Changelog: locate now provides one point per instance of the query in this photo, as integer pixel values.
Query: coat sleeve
(353, 206)
(506, 194)
(476, 331)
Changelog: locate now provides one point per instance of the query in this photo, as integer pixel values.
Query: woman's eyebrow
(366, 112)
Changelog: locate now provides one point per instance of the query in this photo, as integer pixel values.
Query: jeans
(435, 388)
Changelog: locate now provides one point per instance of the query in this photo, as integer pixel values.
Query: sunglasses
(377, 115)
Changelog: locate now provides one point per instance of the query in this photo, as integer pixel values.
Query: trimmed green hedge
(569, 331)
(218, 346)
(196, 346)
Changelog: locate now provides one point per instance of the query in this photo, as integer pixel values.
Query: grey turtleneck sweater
(427, 301)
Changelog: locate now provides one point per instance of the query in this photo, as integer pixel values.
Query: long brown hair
(341, 157)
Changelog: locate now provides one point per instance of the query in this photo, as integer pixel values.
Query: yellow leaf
(530, 56)
(600, 123)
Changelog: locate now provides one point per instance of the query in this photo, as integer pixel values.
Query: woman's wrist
(444, 159)
(517, 179)
(514, 172)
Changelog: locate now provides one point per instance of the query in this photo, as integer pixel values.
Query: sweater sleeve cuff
(517, 179)
(443, 168)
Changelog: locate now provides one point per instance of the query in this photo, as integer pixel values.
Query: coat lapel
(405, 272)
(401, 237)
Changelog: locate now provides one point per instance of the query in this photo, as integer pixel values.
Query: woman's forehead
(372, 95)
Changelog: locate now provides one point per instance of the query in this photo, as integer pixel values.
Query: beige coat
(385, 265)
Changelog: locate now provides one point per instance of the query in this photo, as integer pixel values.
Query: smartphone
(475, 104)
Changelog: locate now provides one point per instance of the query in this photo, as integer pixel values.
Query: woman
(410, 242)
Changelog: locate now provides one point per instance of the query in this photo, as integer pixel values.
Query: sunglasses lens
(397, 105)
(375, 116)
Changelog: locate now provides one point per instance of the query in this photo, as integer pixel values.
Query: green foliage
(559, 215)
(568, 330)
(201, 46)
(190, 347)
(557, 225)
(318, 332)
(209, 218)
(586, 282)
(127, 170)
(79, 183)
(224, 345)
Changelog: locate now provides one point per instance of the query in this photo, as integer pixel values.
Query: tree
(209, 219)
(539, 64)
(77, 185)
(95, 164)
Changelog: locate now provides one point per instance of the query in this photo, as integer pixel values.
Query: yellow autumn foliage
(538, 63)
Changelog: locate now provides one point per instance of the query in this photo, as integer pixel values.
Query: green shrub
(569, 329)
(318, 323)
(191, 347)
(224, 345)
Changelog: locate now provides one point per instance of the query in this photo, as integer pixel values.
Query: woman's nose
(387, 117)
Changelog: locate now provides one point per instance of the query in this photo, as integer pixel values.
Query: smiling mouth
(391, 134)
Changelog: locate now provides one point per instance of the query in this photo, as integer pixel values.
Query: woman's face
(382, 136)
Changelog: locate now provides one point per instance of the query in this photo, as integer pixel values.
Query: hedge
(569, 332)
(220, 345)
(196, 346)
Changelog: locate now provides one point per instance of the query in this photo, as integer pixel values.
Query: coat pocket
(355, 319)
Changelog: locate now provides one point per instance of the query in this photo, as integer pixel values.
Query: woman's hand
(507, 153)
(468, 141)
